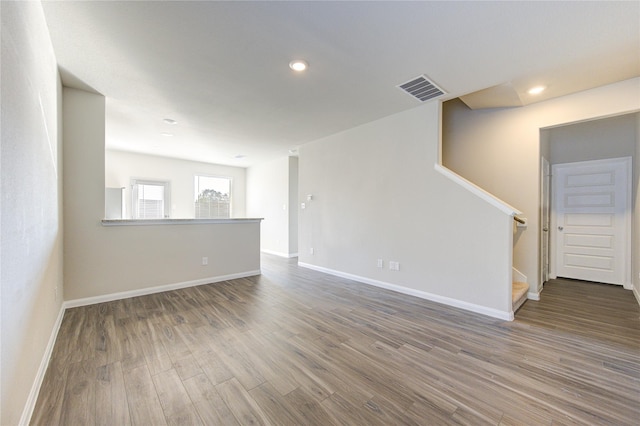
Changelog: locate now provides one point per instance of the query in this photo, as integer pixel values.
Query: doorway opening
(576, 241)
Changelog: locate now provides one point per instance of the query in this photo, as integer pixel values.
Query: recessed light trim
(170, 121)
(536, 90)
(166, 134)
(298, 65)
(239, 156)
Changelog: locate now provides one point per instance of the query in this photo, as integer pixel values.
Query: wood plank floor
(298, 347)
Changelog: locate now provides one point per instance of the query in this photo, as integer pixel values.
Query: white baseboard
(636, 293)
(158, 289)
(532, 295)
(27, 412)
(495, 313)
(280, 254)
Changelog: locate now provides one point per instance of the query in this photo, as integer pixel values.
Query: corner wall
(269, 195)
(31, 200)
(101, 261)
(376, 195)
(499, 150)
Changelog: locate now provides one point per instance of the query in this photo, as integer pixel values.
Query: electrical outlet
(205, 261)
(394, 266)
(311, 251)
(380, 263)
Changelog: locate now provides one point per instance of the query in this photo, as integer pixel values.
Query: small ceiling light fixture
(298, 65)
(167, 134)
(239, 156)
(536, 90)
(170, 121)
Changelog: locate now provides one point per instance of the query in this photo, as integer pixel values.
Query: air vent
(422, 89)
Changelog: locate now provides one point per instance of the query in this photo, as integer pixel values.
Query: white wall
(31, 197)
(293, 206)
(610, 137)
(121, 166)
(500, 150)
(376, 195)
(268, 197)
(101, 261)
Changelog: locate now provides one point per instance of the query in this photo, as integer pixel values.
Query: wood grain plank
(144, 405)
(80, 394)
(208, 402)
(241, 404)
(295, 346)
(176, 404)
(112, 407)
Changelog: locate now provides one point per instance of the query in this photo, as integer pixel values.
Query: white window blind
(150, 199)
(213, 197)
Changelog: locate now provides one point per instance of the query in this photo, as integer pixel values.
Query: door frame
(627, 162)
(545, 207)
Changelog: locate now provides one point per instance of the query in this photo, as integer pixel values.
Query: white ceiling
(220, 69)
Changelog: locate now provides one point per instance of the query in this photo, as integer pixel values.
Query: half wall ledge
(143, 222)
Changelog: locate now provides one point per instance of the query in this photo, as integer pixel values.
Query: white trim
(476, 190)
(636, 293)
(495, 313)
(157, 289)
(532, 295)
(279, 253)
(27, 412)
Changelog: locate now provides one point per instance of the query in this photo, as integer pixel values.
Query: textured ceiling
(220, 69)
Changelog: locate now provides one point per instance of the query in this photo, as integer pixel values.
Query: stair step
(518, 294)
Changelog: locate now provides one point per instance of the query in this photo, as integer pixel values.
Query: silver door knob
(560, 228)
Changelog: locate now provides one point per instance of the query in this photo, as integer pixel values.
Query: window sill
(143, 222)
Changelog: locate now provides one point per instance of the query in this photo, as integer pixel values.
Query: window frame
(215, 176)
(134, 197)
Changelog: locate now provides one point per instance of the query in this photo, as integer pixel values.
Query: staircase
(518, 294)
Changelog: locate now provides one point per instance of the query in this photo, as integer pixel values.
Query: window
(213, 197)
(150, 199)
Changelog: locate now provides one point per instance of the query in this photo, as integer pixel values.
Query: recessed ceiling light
(170, 121)
(167, 134)
(239, 156)
(536, 90)
(298, 65)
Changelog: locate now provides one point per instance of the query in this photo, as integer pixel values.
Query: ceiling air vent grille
(422, 89)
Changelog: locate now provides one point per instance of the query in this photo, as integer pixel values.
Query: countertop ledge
(143, 222)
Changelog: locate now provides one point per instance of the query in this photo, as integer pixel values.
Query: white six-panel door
(592, 220)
